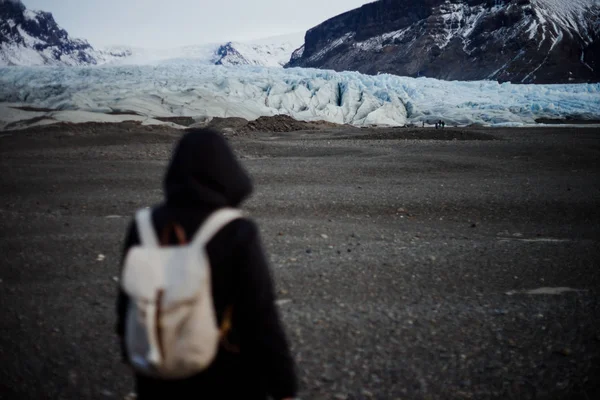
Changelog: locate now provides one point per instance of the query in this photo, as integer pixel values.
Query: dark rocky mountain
(33, 38)
(229, 55)
(520, 41)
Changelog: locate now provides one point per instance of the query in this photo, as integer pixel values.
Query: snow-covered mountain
(521, 41)
(32, 38)
(270, 55)
(268, 52)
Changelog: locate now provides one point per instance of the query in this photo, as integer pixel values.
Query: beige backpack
(171, 330)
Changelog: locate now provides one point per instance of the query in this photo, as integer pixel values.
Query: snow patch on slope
(30, 15)
(377, 43)
(332, 45)
(568, 14)
(458, 20)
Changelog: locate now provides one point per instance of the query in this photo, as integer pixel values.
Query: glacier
(185, 88)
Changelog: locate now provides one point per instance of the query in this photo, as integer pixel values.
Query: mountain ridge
(520, 41)
(33, 37)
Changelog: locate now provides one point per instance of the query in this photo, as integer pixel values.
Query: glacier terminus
(183, 88)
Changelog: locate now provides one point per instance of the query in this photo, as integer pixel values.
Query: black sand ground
(402, 265)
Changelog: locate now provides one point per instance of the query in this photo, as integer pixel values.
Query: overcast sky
(168, 23)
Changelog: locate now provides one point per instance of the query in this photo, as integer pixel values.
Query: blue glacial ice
(199, 91)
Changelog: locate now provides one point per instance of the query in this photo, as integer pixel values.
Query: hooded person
(203, 176)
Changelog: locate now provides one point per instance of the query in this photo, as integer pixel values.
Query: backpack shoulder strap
(143, 219)
(214, 223)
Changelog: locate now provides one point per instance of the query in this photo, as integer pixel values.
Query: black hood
(205, 173)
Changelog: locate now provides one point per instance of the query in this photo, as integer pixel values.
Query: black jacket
(203, 176)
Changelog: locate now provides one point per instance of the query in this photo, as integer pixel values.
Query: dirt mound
(183, 121)
(228, 126)
(278, 123)
(92, 128)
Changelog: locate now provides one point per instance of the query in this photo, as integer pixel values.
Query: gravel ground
(405, 268)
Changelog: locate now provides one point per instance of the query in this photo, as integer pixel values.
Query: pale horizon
(152, 24)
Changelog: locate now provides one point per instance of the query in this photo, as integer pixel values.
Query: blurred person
(253, 359)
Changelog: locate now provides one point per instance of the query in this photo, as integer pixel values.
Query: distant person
(253, 359)
(423, 124)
